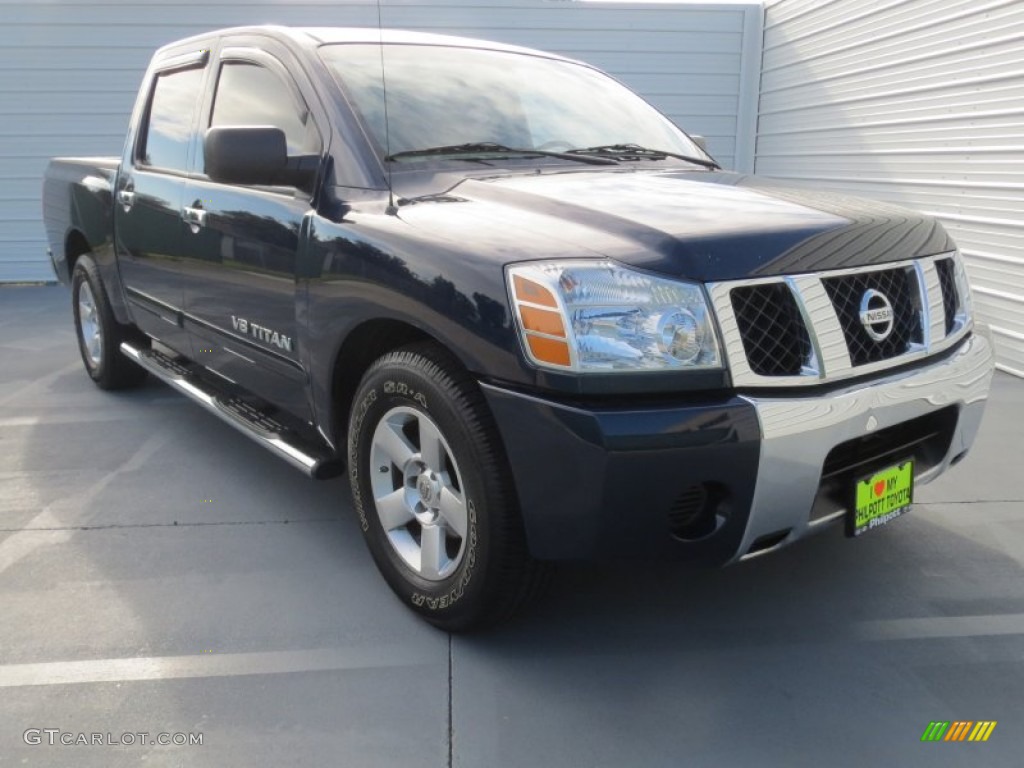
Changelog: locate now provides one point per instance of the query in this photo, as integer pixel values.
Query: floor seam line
(193, 524)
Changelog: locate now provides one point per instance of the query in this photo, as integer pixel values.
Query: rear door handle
(195, 217)
(126, 197)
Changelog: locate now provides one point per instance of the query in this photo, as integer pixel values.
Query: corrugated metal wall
(918, 102)
(69, 70)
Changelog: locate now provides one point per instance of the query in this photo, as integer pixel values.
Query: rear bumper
(60, 266)
(722, 479)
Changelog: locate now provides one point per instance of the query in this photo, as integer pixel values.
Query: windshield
(444, 97)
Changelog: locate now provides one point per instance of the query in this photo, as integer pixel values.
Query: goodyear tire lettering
(392, 387)
(353, 464)
(456, 592)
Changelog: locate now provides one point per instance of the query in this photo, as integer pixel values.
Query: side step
(246, 418)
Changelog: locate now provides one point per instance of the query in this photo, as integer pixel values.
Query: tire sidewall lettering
(453, 595)
(353, 464)
(379, 395)
(392, 387)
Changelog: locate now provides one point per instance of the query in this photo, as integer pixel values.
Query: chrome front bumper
(799, 432)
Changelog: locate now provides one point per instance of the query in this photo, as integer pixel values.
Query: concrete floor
(161, 573)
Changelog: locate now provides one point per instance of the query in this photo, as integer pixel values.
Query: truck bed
(77, 194)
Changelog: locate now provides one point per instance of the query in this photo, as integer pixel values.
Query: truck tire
(99, 333)
(433, 492)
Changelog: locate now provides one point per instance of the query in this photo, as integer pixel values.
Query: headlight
(593, 316)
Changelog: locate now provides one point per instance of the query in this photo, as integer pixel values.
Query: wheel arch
(75, 244)
(364, 344)
(509, 578)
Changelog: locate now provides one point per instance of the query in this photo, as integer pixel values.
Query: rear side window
(166, 142)
(248, 94)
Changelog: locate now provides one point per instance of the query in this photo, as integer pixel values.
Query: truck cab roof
(314, 37)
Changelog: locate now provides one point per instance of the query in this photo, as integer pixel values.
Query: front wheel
(433, 492)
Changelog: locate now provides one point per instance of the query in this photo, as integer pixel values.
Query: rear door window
(171, 112)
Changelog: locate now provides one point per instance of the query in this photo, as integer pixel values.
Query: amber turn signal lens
(542, 321)
(550, 351)
(535, 293)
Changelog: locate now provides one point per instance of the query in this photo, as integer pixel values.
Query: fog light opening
(958, 458)
(699, 511)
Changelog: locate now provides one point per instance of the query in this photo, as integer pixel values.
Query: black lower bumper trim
(605, 482)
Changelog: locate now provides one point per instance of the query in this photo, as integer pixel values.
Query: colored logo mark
(959, 730)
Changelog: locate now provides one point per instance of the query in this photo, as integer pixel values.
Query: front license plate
(881, 498)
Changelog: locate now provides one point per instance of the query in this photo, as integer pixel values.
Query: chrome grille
(774, 336)
(900, 287)
(947, 282)
(804, 329)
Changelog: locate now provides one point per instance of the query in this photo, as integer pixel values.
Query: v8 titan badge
(881, 498)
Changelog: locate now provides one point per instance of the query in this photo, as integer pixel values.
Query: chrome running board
(312, 460)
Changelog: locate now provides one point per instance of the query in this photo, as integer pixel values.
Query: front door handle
(194, 217)
(126, 197)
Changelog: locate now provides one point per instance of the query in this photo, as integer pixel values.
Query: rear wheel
(99, 333)
(434, 494)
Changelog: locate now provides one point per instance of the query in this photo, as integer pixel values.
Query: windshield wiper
(490, 148)
(636, 152)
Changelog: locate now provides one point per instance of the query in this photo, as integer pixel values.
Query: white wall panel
(916, 102)
(69, 70)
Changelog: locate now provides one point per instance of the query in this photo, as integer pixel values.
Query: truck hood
(704, 226)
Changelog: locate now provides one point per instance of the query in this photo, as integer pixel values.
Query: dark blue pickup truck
(529, 317)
